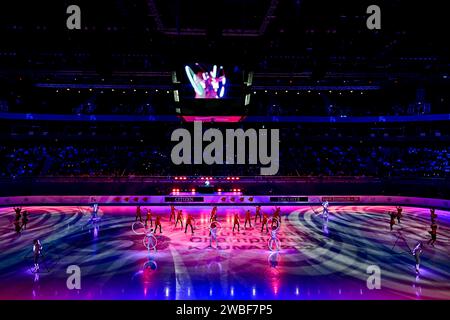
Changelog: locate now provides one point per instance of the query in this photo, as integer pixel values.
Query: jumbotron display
(212, 92)
(207, 84)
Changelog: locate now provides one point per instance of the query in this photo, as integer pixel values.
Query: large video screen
(211, 81)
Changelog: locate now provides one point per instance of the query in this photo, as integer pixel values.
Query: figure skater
(417, 251)
(189, 221)
(236, 222)
(433, 233)
(94, 213)
(37, 251)
(265, 223)
(213, 235)
(399, 214)
(179, 218)
(393, 216)
(433, 215)
(277, 215)
(213, 216)
(138, 214)
(172, 213)
(149, 218)
(24, 219)
(18, 211)
(258, 213)
(151, 238)
(274, 238)
(158, 224)
(325, 211)
(248, 218)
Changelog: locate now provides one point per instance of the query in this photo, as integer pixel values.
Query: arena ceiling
(270, 36)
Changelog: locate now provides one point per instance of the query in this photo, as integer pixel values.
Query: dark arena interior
(227, 150)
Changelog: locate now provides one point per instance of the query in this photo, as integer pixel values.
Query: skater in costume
(189, 222)
(24, 219)
(37, 251)
(258, 213)
(179, 218)
(274, 238)
(433, 233)
(213, 216)
(248, 218)
(277, 215)
(158, 224)
(94, 211)
(213, 234)
(138, 214)
(393, 216)
(172, 213)
(236, 222)
(18, 213)
(399, 214)
(265, 223)
(149, 218)
(17, 226)
(417, 251)
(325, 211)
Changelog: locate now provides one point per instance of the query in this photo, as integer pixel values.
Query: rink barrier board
(222, 200)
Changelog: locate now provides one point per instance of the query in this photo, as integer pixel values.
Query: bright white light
(214, 72)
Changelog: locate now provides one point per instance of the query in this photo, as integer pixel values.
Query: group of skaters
(398, 214)
(177, 215)
(146, 216)
(418, 248)
(264, 219)
(395, 215)
(20, 219)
